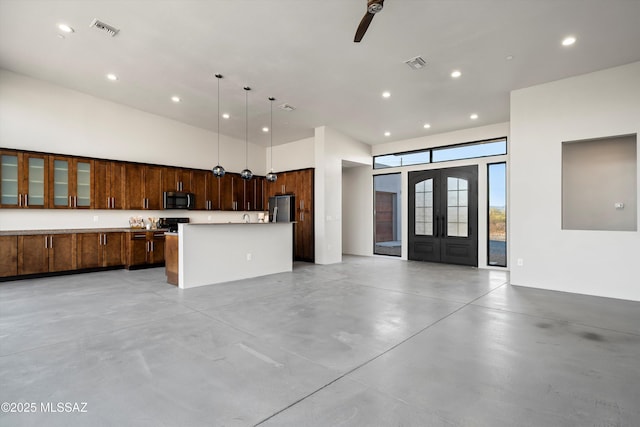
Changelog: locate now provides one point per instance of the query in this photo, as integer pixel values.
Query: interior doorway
(443, 215)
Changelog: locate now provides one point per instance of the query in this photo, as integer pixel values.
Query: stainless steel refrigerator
(282, 208)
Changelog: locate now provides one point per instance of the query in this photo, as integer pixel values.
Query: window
(387, 215)
(471, 150)
(497, 215)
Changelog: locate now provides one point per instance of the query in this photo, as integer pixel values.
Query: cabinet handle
(70, 201)
(51, 242)
(113, 202)
(26, 200)
(75, 201)
(248, 206)
(19, 200)
(100, 239)
(46, 242)
(105, 240)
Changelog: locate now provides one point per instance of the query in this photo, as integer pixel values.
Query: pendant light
(218, 170)
(246, 173)
(271, 177)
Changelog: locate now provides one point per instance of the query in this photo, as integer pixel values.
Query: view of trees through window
(497, 177)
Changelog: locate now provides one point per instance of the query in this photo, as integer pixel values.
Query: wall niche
(599, 184)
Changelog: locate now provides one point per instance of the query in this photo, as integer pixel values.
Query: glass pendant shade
(272, 177)
(246, 174)
(218, 171)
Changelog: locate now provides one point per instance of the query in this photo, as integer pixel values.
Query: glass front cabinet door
(69, 182)
(23, 180)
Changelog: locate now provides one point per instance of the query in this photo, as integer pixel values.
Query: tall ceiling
(302, 53)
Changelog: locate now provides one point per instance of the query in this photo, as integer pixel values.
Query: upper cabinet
(143, 186)
(108, 185)
(23, 180)
(69, 182)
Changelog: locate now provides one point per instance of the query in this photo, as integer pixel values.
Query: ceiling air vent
(416, 63)
(112, 31)
(287, 107)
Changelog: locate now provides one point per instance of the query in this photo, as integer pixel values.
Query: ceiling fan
(373, 7)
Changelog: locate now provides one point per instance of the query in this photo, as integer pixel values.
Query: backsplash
(47, 219)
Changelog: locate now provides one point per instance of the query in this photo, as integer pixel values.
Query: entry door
(443, 215)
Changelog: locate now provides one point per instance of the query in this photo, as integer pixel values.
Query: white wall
(438, 140)
(595, 105)
(331, 149)
(291, 156)
(39, 116)
(357, 208)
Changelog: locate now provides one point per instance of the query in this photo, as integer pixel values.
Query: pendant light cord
(219, 118)
(246, 132)
(271, 131)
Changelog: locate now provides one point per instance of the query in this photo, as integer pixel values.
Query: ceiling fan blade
(362, 28)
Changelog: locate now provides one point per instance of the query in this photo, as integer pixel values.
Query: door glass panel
(457, 209)
(84, 184)
(36, 182)
(388, 218)
(60, 182)
(9, 175)
(424, 208)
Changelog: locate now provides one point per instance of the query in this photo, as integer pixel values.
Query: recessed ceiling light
(387, 134)
(226, 116)
(65, 28)
(455, 74)
(112, 77)
(175, 98)
(509, 57)
(265, 129)
(474, 116)
(386, 94)
(568, 41)
(426, 126)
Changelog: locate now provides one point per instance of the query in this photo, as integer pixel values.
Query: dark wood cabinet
(108, 185)
(143, 186)
(304, 228)
(44, 253)
(200, 187)
(145, 248)
(301, 184)
(96, 250)
(171, 258)
(23, 180)
(8, 256)
(176, 179)
(70, 182)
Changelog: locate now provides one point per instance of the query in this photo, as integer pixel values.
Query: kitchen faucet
(246, 218)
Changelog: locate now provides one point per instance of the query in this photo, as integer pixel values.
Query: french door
(443, 215)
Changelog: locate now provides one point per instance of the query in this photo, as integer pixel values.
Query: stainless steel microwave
(178, 200)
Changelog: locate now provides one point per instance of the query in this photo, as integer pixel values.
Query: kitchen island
(216, 253)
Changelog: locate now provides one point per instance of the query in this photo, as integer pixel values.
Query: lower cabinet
(46, 253)
(8, 256)
(171, 258)
(145, 248)
(96, 250)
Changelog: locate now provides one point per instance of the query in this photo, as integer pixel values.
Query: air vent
(416, 63)
(287, 107)
(112, 31)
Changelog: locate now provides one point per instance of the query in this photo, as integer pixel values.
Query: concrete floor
(370, 342)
